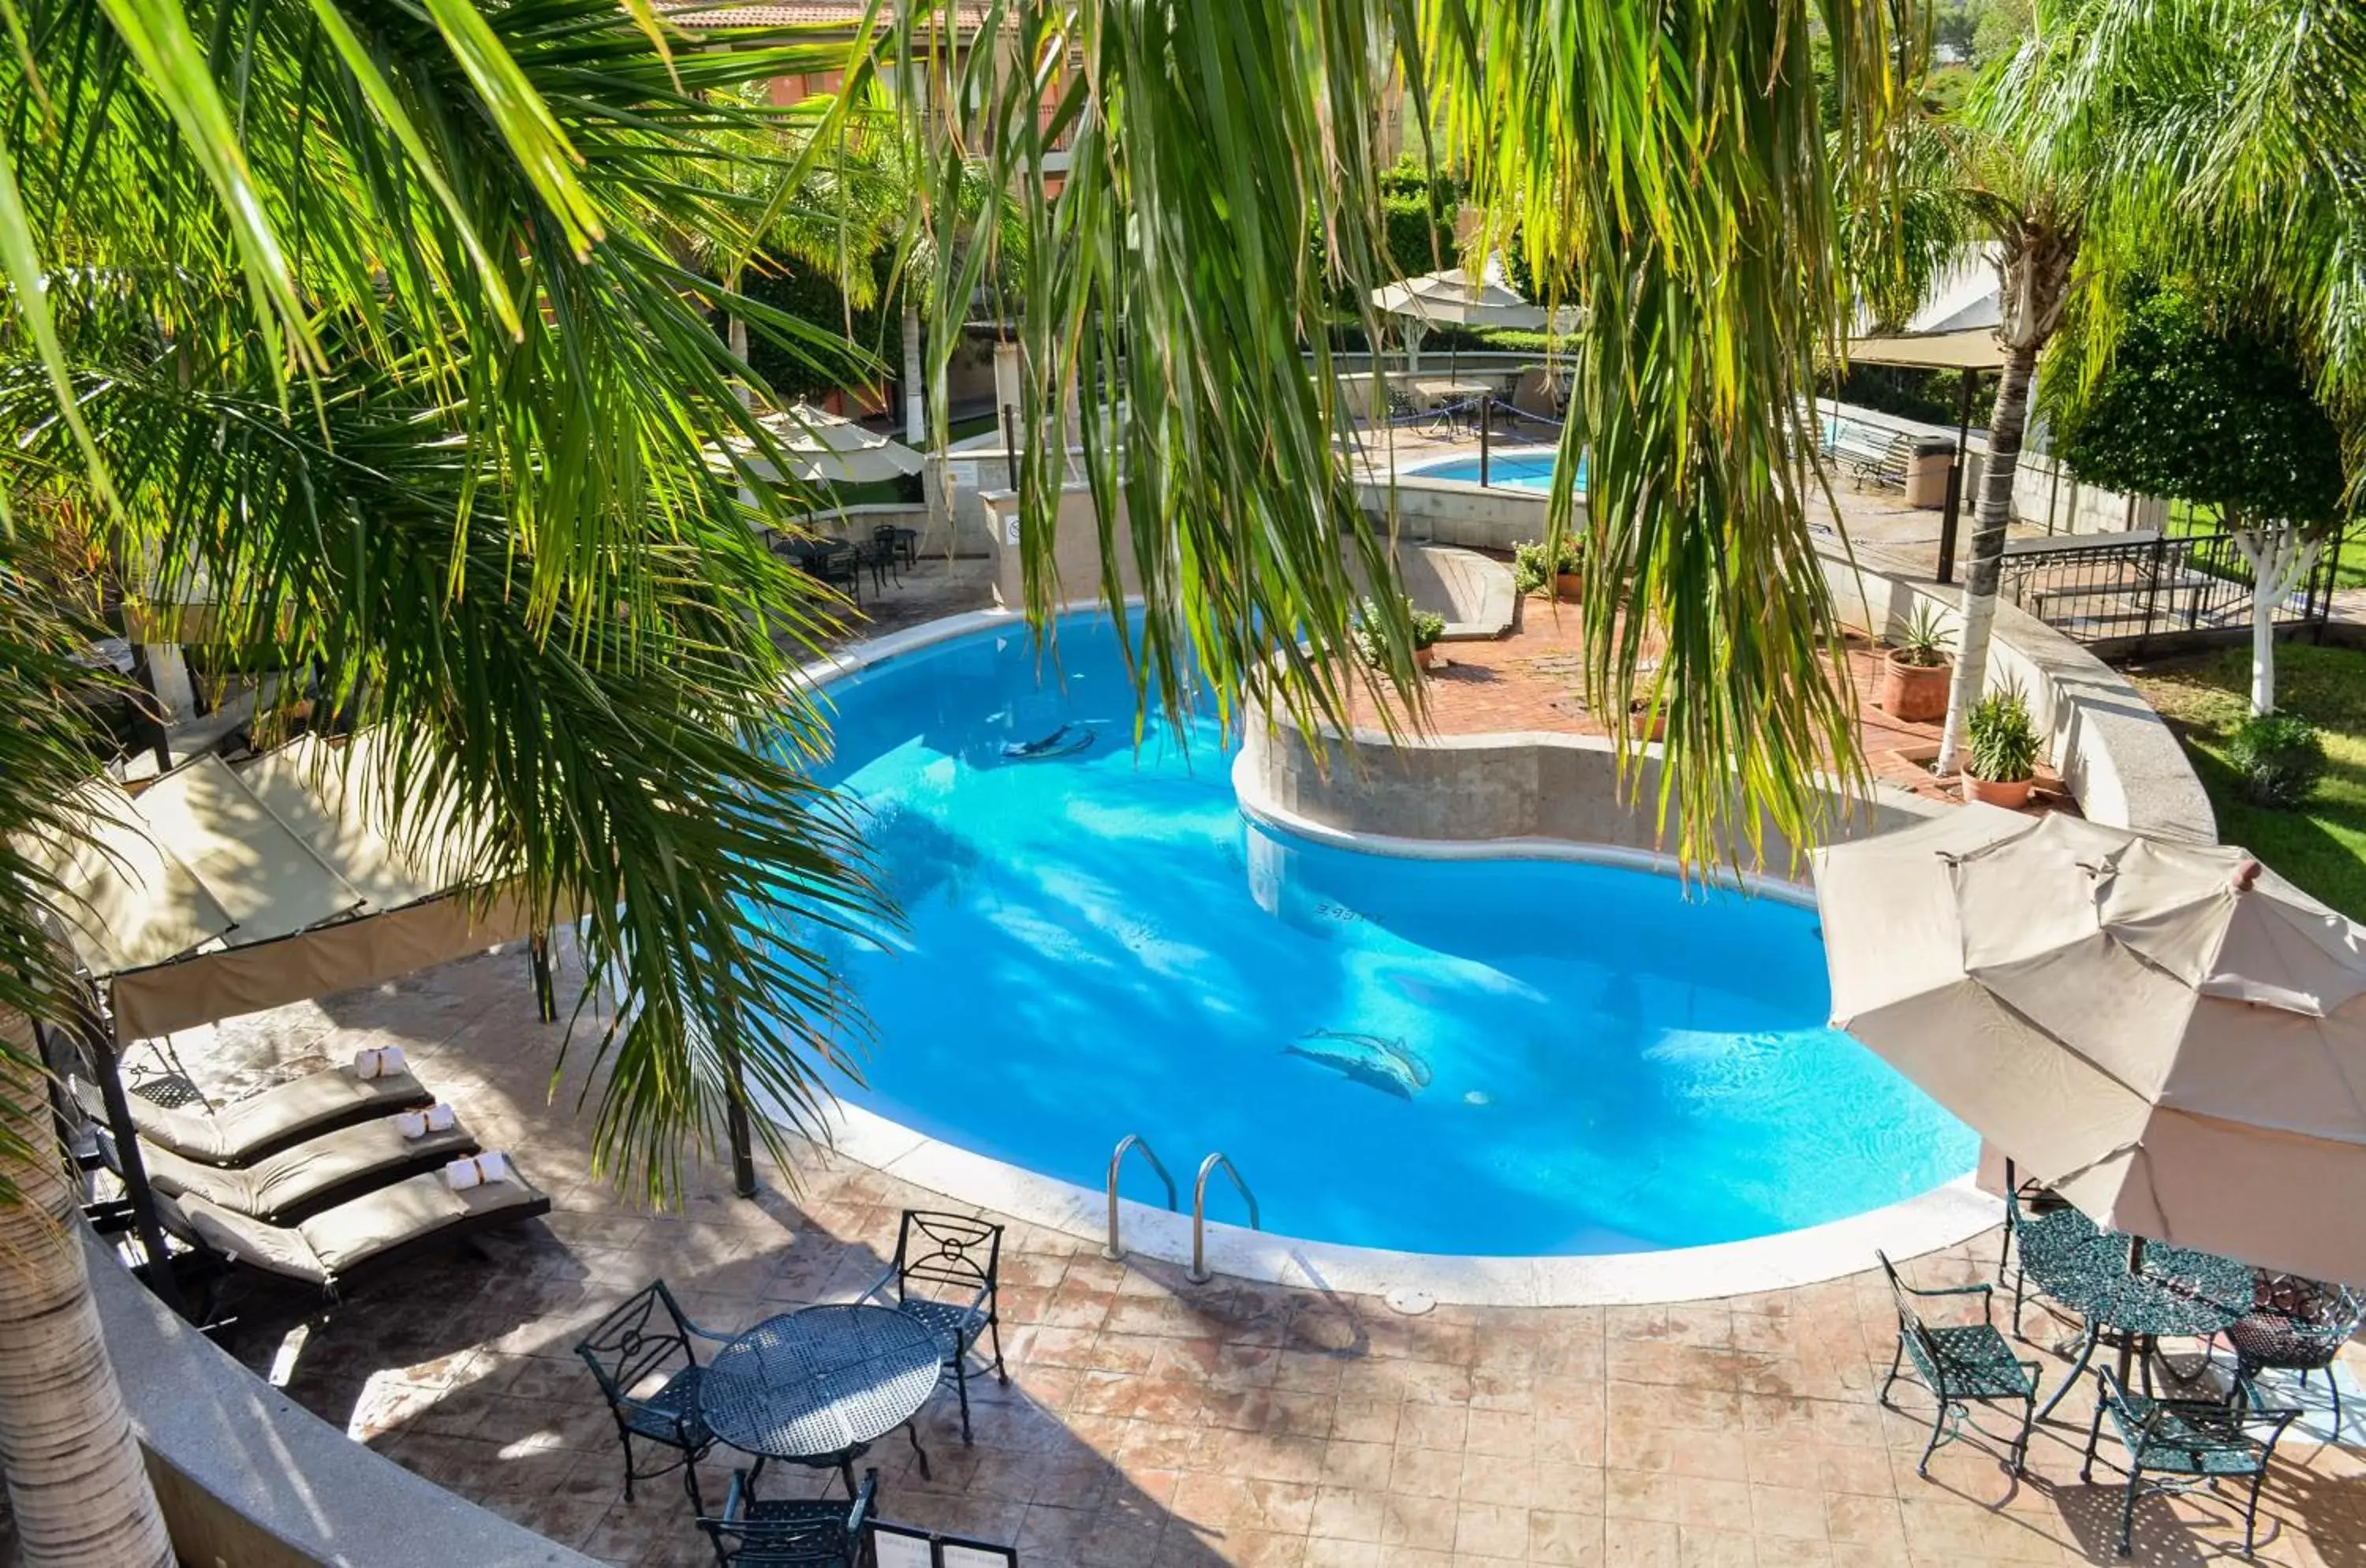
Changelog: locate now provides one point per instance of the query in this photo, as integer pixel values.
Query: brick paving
(1533, 680)
(1152, 1423)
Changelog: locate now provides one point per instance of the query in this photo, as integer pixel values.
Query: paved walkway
(1150, 1423)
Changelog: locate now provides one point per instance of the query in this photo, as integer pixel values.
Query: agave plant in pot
(2003, 762)
(1915, 674)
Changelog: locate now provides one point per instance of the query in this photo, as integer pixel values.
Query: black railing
(2129, 588)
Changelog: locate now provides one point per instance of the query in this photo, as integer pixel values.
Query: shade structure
(219, 891)
(1968, 348)
(820, 448)
(1453, 298)
(2168, 1034)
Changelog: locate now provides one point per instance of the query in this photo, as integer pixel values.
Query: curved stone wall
(250, 1479)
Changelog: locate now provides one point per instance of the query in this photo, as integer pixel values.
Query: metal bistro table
(818, 1386)
(2139, 1292)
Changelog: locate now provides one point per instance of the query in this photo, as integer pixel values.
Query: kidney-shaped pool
(1477, 1057)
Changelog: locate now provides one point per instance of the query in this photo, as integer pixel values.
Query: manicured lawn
(2322, 847)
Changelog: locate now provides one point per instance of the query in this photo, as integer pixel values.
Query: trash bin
(1926, 472)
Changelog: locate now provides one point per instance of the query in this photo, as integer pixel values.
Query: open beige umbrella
(1454, 297)
(2168, 1034)
(822, 448)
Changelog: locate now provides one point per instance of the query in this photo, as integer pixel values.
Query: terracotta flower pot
(1916, 693)
(1643, 726)
(2011, 796)
(1424, 658)
(1568, 585)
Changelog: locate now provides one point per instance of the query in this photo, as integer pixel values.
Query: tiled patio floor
(1148, 1422)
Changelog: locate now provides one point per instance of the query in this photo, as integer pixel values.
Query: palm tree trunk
(916, 392)
(1989, 521)
(77, 1481)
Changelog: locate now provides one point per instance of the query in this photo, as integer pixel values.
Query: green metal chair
(2056, 1238)
(1961, 1367)
(2190, 1443)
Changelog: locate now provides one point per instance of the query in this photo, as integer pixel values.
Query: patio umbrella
(1453, 298)
(2168, 1034)
(822, 448)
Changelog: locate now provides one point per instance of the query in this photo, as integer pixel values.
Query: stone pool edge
(1929, 1222)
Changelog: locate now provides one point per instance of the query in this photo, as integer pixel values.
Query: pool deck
(1152, 1423)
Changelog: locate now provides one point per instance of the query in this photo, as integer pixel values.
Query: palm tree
(1664, 163)
(367, 323)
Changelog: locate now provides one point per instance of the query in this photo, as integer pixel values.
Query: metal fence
(2126, 591)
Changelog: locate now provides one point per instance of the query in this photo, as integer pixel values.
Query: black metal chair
(1962, 1367)
(833, 562)
(935, 1254)
(649, 1340)
(2299, 1325)
(2191, 1443)
(821, 1534)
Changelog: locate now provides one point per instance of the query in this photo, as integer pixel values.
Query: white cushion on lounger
(336, 1241)
(286, 1180)
(226, 1136)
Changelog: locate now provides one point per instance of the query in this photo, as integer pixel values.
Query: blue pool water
(1531, 468)
(1475, 1058)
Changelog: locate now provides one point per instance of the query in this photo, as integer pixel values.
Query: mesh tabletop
(2181, 1292)
(820, 1381)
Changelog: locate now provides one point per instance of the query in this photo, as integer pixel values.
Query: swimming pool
(1527, 468)
(1489, 1057)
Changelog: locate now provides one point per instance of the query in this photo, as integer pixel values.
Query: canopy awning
(1968, 348)
(217, 891)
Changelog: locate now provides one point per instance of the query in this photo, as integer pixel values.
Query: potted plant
(1536, 568)
(2003, 760)
(1914, 676)
(1427, 627)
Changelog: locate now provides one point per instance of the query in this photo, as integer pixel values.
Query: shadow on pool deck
(1148, 1422)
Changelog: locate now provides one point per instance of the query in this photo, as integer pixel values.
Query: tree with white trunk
(2202, 407)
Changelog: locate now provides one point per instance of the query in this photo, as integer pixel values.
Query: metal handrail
(1115, 1251)
(1200, 1275)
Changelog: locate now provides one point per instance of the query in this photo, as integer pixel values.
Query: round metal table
(2137, 1295)
(819, 1385)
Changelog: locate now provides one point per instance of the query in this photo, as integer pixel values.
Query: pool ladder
(1115, 1249)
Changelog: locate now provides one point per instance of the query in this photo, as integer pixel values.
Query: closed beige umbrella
(2169, 1035)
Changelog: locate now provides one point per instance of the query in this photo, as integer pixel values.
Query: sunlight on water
(1480, 1058)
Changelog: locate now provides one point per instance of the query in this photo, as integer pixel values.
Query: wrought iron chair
(648, 1340)
(1961, 1367)
(823, 1534)
(2192, 1443)
(937, 1254)
(2299, 1325)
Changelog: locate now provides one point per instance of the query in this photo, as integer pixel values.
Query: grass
(2349, 559)
(2321, 847)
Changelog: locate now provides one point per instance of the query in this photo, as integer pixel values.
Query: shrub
(1534, 566)
(2004, 741)
(2279, 756)
(1427, 627)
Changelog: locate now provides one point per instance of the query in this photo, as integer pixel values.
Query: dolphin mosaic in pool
(1064, 741)
(1384, 1064)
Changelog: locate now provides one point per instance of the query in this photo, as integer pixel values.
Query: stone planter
(2011, 796)
(1915, 693)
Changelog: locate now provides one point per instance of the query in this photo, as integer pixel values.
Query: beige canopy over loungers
(2168, 1035)
(219, 891)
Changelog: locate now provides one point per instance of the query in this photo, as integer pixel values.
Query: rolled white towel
(479, 1169)
(436, 1117)
(379, 1062)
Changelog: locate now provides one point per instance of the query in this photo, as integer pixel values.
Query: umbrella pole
(1953, 515)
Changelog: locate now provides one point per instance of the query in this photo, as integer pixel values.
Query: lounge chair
(320, 1173)
(261, 1126)
(369, 1233)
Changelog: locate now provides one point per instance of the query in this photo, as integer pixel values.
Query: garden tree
(1662, 163)
(2222, 417)
(373, 318)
